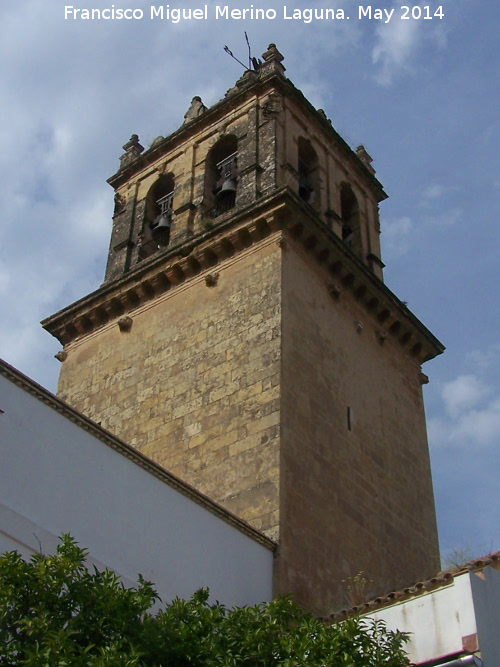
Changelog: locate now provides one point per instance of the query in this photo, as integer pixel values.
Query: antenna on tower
(228, 50)
(252, 62)
(249, 52)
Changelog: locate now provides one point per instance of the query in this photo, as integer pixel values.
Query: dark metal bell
(161, 230)
(228, 185)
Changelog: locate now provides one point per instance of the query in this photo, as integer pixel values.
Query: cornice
(107, 438)
(165, 271)
(348, 276)
(283, 211)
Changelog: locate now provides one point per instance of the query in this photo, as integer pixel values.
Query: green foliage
(54, 612)
(356, 588)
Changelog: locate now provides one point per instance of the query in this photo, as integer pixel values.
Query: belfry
(244, 339)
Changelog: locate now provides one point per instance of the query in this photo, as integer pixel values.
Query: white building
(62, 473)
(453, 619)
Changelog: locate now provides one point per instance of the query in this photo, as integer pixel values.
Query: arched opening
(158, 213)
(349, 212)
(308, 168)
(221, 176)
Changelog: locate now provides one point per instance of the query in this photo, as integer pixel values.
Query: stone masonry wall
(195, 383)
(335, 168)
(356, 492)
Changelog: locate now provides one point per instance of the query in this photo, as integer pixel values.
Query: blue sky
(421, 95)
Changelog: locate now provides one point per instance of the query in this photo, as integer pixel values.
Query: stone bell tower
(244, 339)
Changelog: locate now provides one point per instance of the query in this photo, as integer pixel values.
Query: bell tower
(244, 339)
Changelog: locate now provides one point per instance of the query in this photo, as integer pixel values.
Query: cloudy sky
(422, 95)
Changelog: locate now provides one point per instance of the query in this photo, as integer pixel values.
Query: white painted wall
(436, 620)
(439, 620)
(486, 597)
(56, 477)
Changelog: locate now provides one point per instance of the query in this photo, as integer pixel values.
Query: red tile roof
(440, 580)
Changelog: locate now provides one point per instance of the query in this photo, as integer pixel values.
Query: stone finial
(323, 115)
(365, 158)
(132, 151)
(272, 61)
(61, 356)
(272, 53)
(133, 144)
(157, 141)
(196, 108)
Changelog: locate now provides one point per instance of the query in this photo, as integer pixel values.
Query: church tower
(244, 339)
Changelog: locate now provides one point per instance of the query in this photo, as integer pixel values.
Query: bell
(161, 230)
(226, 196)
(229, 185)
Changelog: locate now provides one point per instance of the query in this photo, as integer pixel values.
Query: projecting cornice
(284, 214)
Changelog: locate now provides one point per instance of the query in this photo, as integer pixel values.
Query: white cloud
(401, 235)
(471, 415)
(445, 219)
(462, 393)
(398, 41)
(486, 359)
(397, 236)
(434, 192)
(434, 200)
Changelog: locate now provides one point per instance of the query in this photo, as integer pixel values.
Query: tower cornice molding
(284, 212)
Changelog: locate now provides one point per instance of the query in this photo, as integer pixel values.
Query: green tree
(55, 612)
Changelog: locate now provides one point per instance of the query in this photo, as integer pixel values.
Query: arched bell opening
(349, 212)
(308, 168)
(158, 214)
(221, 176)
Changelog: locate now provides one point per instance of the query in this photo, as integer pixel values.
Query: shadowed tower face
(243, 338)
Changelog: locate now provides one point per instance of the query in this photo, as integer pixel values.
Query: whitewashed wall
(442, 622)
(56, 477)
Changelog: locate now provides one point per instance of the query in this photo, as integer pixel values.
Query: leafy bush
(55, 612)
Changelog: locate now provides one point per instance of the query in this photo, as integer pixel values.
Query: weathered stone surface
(195, 383)
(355, 472)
